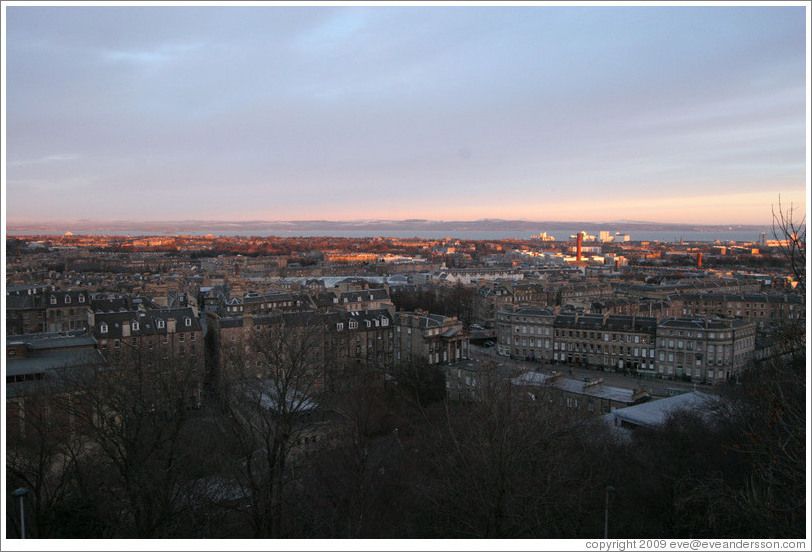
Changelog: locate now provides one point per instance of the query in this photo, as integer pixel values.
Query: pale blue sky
(671, 114)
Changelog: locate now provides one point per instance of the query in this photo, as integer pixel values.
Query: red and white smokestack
(578, 247)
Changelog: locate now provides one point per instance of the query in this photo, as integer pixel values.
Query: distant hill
(483, 225)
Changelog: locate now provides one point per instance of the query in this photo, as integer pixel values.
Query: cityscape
(387, 275)
(622, 342)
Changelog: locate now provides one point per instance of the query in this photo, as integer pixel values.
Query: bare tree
(37, 454)
(273, 381)
(503, 466)
(791, 236)
(131, 416)
(349, 488)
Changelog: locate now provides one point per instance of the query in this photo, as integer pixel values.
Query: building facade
(435, 338)
(697, 350)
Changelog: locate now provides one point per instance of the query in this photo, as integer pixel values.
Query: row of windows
(68, 299)
(628, 338)
(160, 324)
(353, 324)
(58, 312)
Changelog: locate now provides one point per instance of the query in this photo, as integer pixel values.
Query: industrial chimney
(578, 247)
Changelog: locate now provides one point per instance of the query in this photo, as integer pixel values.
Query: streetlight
(20, 493)
(609, 489)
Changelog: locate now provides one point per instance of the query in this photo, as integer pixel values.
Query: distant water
(561, 235)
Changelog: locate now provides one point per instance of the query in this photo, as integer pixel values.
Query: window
(81, 298)
(188, 322)
(181, 337)
(339, 326)
(160, 324)
(135, 326)
(53, 300)
(67, 299)
(103, 328)
(353, 324)
(192, 336)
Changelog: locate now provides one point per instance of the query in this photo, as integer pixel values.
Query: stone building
(437, 339)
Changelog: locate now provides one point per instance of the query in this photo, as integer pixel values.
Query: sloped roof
(654, 413)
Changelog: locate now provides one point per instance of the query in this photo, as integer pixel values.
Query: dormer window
(81, 298)
(53, 300)
(369, 323)
(384, 322)
(135, 326)
(103, 328)
(67, 299)
(353, 324)
(160, 324)
(339, 326)
(188, 322)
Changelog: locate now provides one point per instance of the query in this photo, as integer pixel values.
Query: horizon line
(85, 221)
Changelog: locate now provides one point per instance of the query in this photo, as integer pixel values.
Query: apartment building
(525, 332)
(67, 310)
(170, 333)
(365, 299)
(435, 338)
(699, 350)
(364, 339)
(336, 341)
(25, 314)
(704, 350)
(762, 308)
(261, 303)
(43, 369)
(619, 342)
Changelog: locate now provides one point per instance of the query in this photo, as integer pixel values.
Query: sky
(690, 114)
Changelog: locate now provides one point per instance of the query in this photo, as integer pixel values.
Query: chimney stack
(578, 247)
